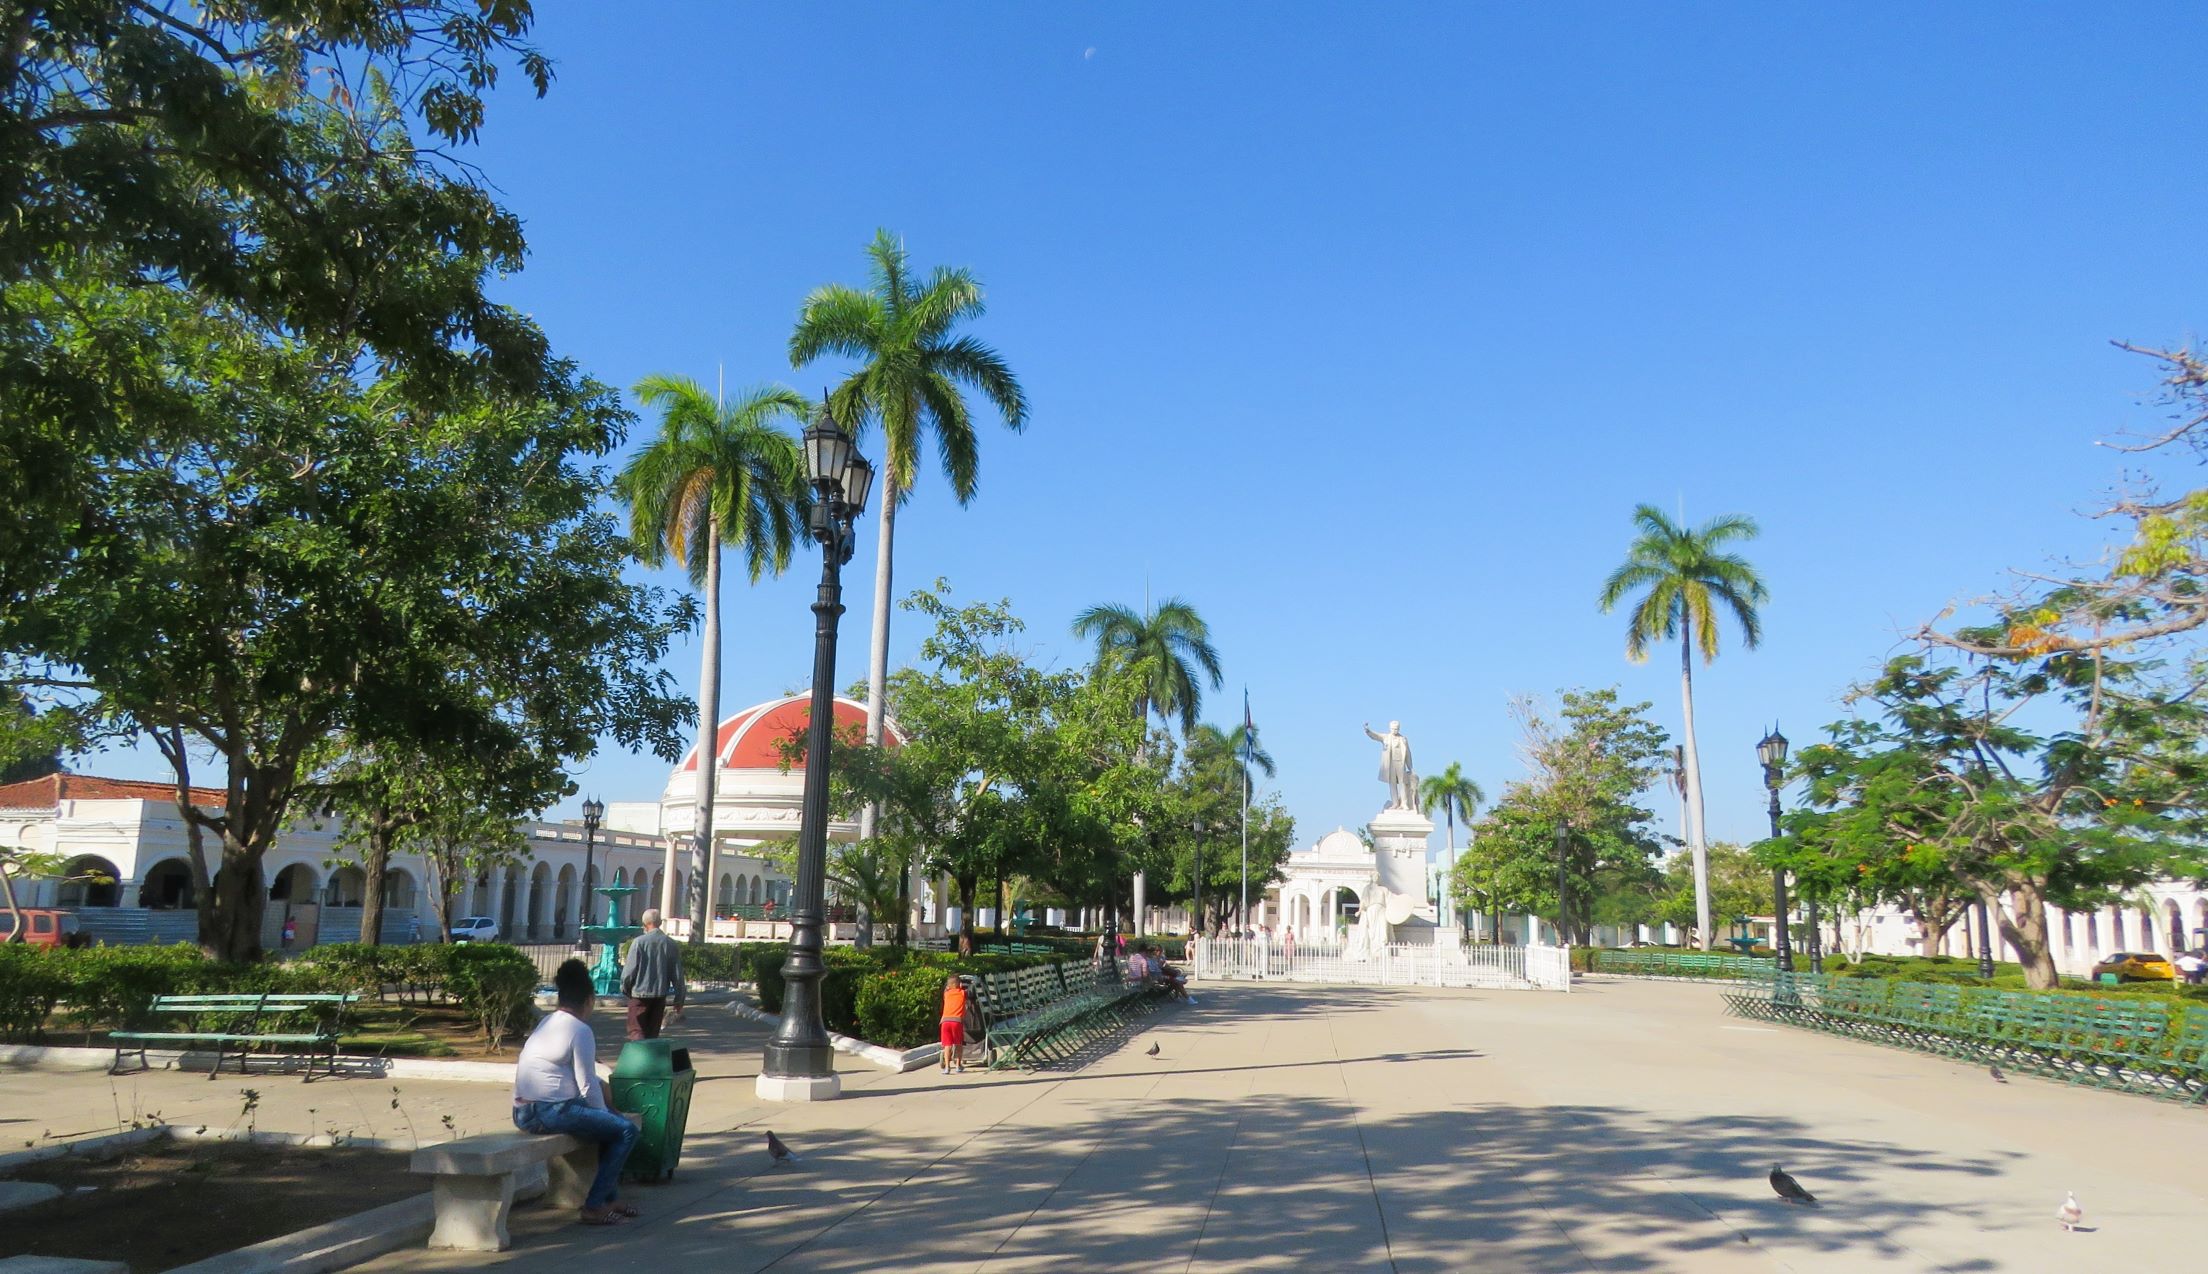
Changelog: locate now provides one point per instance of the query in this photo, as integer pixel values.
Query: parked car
(2136, 966)
(42, 927)
(475, 929)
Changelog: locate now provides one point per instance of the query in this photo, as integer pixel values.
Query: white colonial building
(128, 834)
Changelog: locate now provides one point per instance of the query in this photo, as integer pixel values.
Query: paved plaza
(1626, 1126)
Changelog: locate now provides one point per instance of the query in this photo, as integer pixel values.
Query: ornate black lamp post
(800, 1063)
(593, 810)
(1771, 750)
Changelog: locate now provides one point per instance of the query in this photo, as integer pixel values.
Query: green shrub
(495, 985)
(31, 984)
(901, 1009)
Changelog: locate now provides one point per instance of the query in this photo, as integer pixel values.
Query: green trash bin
(652, 1078)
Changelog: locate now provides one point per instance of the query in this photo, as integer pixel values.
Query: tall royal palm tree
(1684, 579)
(1170, 645)
(720, 473)
(1456, 797)
(913, 371)
(911, 380)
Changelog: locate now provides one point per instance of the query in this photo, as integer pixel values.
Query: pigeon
(1151, 1051)
(1788, 1188)
(2069, 1213)
(1999, 1076)
(778, 1152)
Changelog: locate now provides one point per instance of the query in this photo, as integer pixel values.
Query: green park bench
(1047, 1012)
(238, 1024)
(2144, 1046)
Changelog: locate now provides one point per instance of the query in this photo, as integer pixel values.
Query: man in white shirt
(556, 1090)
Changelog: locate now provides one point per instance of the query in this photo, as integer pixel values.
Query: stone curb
(332, 1246)
(349, 1064)
(887, 1058)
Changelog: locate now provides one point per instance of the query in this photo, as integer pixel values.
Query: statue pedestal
(1399, 851)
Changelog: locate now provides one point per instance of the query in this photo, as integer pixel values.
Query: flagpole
(1249, 743)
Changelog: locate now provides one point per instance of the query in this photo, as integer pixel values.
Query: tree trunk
(709, 738)
(230, 926)
(1694, 795)
(2026, 931)
(877, 678)
(377, 866)
(904, 904)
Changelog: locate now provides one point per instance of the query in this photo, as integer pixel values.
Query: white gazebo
(1311, 891)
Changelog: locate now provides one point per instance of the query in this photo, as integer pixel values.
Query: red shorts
(954, 1033)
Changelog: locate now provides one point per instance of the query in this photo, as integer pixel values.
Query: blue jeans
(576, 1117)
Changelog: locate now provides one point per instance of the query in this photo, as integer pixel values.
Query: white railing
(1522, 968)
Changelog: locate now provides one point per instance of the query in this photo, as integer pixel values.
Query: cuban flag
(1249, 730)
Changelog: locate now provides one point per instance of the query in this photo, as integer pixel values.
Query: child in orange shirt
(954, 1024)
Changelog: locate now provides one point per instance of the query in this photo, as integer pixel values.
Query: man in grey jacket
(652, 973)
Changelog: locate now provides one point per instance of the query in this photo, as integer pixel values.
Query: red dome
(754, 738)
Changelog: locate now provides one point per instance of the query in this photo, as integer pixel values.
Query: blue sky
(1363, 328)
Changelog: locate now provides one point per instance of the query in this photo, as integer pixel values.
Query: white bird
(778, 1152)
(2069, 1213)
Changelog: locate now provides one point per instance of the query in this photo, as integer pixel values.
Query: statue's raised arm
(1376, 738)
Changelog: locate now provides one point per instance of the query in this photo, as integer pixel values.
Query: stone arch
(295, 883)
(346, 887)
(2174, 923)
(107, 891)
(2093, 934)
(758, 891)
(649, 899)
(400, 890)
(479, 898)
(167, 886)
(724, 894)
(563, 901)
(2116, 928)
(2200, 923)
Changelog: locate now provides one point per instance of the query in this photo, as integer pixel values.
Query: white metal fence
(1515, 968)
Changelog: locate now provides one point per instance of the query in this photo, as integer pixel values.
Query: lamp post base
(799, 1087)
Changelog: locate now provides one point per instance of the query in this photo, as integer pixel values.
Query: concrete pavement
(1627, 1126)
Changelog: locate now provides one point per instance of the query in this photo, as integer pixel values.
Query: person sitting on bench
(556, 1090)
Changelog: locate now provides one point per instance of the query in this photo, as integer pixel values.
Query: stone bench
(479, 1178)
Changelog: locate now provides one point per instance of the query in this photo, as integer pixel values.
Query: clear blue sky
(1364, 327)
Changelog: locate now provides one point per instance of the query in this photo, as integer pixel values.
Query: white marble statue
(1395, 766)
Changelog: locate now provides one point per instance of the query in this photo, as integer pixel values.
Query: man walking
(652, 973)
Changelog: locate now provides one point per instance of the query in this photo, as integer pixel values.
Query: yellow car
(2136, 966)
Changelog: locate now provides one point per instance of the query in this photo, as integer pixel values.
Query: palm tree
(718, 474)
(1170, 645)
(1456, 797)
(911, 380)
(1684, 579)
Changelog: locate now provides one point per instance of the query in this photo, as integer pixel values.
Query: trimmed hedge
(113, 988)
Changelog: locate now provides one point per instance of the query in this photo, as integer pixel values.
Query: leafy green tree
(410, 579)
(1454, 796)
(720, 473)
(914, 370)
(1169, 649)
(2073, 776)
(463, 843)
(1739, 885)
(1685, 580)
(255, 153)
(1574, 820)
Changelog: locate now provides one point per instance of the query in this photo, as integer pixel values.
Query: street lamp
(593, 810)
(800, 1063)
(1771, 750)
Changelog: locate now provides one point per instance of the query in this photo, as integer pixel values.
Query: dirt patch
(171, 1203)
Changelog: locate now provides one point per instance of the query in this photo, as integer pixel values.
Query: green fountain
(606, 975)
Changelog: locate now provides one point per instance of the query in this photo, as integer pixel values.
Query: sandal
(628, 1210)
(608, 1217)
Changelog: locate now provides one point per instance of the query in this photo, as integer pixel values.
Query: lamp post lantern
(593, 811)
(1771, 750)
(800, 1062)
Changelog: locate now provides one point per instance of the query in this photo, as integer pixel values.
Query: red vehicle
(42, 927)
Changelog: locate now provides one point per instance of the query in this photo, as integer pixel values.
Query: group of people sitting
(1146, 964)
